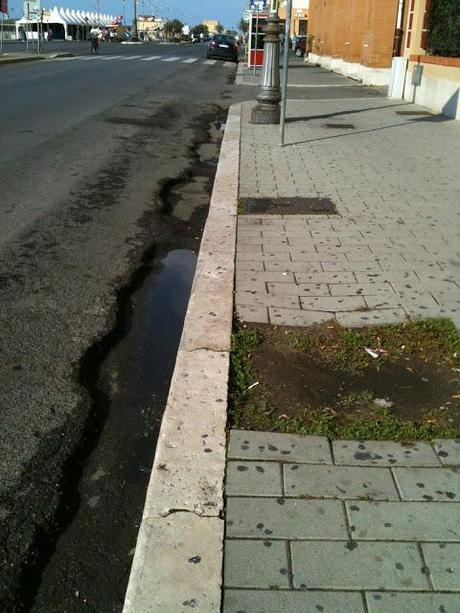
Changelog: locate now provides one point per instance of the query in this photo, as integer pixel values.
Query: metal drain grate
(413, 113)
(287, 206)
(342, 126)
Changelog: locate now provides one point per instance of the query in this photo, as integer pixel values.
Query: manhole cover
(287, 206)
(343, 126)
(413, 113)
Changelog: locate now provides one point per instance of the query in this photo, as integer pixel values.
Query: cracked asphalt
(86, 149)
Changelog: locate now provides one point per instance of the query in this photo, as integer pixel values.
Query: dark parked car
(300, 46)
(223, 47)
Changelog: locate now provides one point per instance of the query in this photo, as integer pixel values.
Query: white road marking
(171, 59)
(132, 57)
(111, 57)
(151, 58)
(87, 57)
(210, 62)
(191, 60)
(229, 64)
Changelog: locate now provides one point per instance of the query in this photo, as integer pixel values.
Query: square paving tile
(352, 565)
(428, 483)
(443, 560)
(384, 453)
(254, 564)
(448, 451)
(246, 445)
(404, 521)
(253, 479)
(287, 518)
(394, 602)
(346, 482)
(269, 601)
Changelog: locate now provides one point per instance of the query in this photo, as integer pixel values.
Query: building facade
(438, 85)
(354, 37)
(299, 17)
(212, 25)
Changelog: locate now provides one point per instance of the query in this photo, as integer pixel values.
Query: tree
(220, 28)
(200, 29)
(231, 32)
(243, 26)
(443, 28)
(174, 26)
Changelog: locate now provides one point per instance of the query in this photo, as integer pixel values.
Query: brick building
(354, 37)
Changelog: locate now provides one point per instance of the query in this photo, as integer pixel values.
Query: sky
(192, 12)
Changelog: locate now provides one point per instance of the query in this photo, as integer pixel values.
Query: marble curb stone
(178, 558)
(176, 574)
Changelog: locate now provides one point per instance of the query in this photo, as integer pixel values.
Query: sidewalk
(349, 526)
(19, 58)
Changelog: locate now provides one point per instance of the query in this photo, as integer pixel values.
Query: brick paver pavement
(350, 526)
(390, 254)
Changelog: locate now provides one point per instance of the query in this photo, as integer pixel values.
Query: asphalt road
(87, 145)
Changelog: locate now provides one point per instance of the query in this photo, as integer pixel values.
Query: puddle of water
(135, 378)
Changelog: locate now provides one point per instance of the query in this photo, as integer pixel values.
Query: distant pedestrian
(94, 38)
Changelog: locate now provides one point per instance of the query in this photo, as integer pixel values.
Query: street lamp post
(135, 20)
(267, 109)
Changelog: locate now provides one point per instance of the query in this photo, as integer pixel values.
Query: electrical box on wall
(417, 74)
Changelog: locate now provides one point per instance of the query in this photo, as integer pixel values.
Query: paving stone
(333, 303)
(251, 286)
(426, 484)
(361, 289)
(443, 560)
(345, 482)
(253, 314)
(280, 301)
(253, 479)
(285, 518)
(269, 601)
(252, 564)
(293, 266)
(267, 277)
(292, 317)
(249, 266)
(357, 565)
(384, 453)
(392, 602)
(305, 289)
(448, 451)
(325, 277)
(245, 445)
(404, 521)
(371, 318)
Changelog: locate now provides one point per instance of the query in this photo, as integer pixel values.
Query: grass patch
(356, 415)
(382, 425)
(344, 350)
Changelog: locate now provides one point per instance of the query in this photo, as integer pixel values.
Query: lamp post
(267, 109)
(135, 20)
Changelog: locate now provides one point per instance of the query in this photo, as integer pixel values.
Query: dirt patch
(394, 382)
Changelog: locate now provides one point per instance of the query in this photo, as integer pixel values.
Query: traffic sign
(32, 9)
(3, 6)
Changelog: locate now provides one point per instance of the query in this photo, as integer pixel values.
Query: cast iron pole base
(269, 114)
(267, 109)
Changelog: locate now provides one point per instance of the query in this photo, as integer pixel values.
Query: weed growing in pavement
(244, 342)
